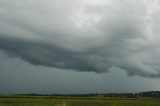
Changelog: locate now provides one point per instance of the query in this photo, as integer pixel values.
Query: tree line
(150, 94)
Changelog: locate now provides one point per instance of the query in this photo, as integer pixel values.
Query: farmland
(75, 101)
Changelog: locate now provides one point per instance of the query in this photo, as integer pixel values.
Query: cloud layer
(84, 35)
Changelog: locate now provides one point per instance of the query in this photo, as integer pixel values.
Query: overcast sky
(79, 46)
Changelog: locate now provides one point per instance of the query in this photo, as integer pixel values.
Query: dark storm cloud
(83, 35)
(47, 55)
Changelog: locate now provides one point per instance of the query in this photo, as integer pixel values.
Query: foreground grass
(77, 101)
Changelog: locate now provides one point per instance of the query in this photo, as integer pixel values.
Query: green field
(76, 101)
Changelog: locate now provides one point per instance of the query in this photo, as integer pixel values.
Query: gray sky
(79, 46)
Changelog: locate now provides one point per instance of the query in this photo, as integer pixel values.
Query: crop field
(63, 101)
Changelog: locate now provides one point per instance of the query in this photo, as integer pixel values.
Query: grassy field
(71, 101)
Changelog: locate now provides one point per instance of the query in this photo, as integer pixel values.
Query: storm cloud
(84, 35)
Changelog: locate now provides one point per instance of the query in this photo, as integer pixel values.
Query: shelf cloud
(84, 35)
